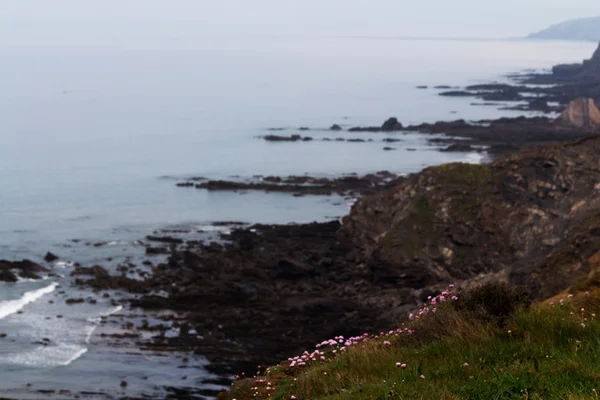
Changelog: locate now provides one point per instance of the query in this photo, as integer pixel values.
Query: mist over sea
(97, 124)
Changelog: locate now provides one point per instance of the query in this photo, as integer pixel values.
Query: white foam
(212, 228)
(63, 264)
(75, 356)
(9, 307)
(97, 320)
(47, 357)
(474, 158)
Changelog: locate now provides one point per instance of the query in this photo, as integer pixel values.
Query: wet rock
(71, 301)
(49, 257)
(391, 124)
(25, 269)
(165, 239)
(459, 148)
(389, 148)
(157, 250)
(8, 276)
(307, 185)
(335, 127)
(292, 138)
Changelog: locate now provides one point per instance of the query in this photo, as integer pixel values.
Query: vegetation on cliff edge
(486, 343)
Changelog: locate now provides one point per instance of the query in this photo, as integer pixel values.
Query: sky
(425, 18)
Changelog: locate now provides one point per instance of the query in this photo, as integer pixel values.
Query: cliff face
(587, 71)
(581, 113)
(529, 212)
(578, 29)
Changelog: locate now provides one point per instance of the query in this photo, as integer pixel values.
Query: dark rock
(277, 138)
(165, 239)
(391, 124)
(335, 127)
(8, 276)
(157, 250)
(75, 301)
(49, 257)
(389, 148)
(459, 147)
(25, 269)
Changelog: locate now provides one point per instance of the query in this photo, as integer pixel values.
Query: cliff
(461, 238)
(457, 222)
(587, 29)
(586, 72)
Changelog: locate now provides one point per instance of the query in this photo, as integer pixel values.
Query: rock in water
(581, 113)
(391, 124)
(49, 257)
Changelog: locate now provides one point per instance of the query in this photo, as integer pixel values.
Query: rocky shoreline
(269, 291)
(265, 292)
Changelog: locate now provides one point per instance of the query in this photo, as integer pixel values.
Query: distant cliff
(587, 29)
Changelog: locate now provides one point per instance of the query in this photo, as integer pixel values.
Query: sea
(98, 124)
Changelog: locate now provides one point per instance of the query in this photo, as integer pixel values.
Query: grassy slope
(537, 352)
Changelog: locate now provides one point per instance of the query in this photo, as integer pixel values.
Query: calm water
(97, 126)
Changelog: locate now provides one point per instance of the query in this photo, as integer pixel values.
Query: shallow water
(96, 132)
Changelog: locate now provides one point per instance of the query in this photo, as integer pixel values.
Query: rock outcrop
(581, 113)
(456, 222)
(11, 271)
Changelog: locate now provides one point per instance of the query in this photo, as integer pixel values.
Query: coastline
(210, 273)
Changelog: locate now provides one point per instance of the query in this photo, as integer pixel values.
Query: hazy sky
(477, 18)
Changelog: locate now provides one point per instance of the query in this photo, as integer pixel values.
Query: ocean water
(97, 126)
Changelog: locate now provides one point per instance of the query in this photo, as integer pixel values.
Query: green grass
(537, 352)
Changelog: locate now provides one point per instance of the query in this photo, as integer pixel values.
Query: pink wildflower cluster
(582, 316)
(433, 302)
(328, 350)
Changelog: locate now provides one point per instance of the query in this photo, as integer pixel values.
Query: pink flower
(454, 298)
(422, 377)
(582, 325)
(451, 286)
(403, 366)
(434, 309)
(398, 364)
(293, 397)
(466, 364)
(411, 316)
(386, 343)
(570, 296)
(583, 310)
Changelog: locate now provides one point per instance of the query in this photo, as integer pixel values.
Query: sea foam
(9, 307)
